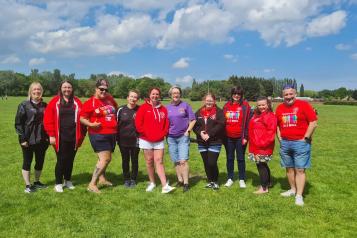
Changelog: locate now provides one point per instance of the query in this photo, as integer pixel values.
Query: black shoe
(39, 185)
(209, 185)
(127, 183)
(132, 183)
(215, 186)
(185, 188)
(30, 189)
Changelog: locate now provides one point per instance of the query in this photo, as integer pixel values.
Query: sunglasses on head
(103, 89)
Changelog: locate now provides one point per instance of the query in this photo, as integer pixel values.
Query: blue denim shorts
(102, 142)
(295, 154)
(179, 148)
(212, 148)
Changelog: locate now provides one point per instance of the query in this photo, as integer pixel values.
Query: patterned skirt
(261, 158)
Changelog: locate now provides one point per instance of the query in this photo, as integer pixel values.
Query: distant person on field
(32, 136)
(209, 129)
(262, 130)
(297, 121)
(237, 114)
(66, 133)
(182, 119)
(152, 124)
(127, 139)
(99, 115)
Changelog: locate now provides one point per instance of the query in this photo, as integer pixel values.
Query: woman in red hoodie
(152, 124)
(61, 122)
(262, 129)
(99, 115)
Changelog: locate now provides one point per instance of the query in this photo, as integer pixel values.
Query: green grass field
(330, 198)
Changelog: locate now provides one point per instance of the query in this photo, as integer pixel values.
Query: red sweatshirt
(152, 123)
(262, 129)
(294, 120)
(237, 119)
(52, 123)
(103, 111)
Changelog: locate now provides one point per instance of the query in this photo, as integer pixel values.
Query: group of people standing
(64, 123)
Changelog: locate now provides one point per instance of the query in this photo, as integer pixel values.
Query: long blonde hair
(32, 85)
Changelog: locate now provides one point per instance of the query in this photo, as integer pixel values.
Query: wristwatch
(307, 140)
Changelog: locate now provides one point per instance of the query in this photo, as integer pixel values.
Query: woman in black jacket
(209, 129)
(32, 137)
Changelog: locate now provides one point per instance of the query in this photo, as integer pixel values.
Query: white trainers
(242, 184)
(299, 200)
(150, 187)
(59, 188)
(167, 189)
(68, 184)
(229, 183)
(288, 193)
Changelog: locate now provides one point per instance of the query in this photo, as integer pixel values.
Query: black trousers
(65, 158)
(210, 163)
(129, 154)
(264, 174)
(39, 150)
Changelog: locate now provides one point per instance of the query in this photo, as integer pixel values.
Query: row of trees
(16, 84)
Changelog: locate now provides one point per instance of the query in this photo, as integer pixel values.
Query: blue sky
(313, 41)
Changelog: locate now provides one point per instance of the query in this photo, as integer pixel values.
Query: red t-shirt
(103, 111)
(294, 120)
(233, 113)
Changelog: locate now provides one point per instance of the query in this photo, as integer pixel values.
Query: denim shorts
(102, 142)
(211, 148)
(295, 154)
(179, 148)
(147, 145)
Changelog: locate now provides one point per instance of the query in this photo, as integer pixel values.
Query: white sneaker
(59, 188)
(229, 183)
(288, 193)
(299, 200)
(242, 184)
(167, 189)
(150, 187)
(68, 184)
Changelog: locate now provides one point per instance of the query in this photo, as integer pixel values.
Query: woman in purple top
(182, 119)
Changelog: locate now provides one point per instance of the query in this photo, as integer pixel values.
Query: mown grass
(329, 211)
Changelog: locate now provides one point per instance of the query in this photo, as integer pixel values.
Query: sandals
(93, 190)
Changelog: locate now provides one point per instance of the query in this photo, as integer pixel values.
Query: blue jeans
(178, 148)
(295, 154)
(234, 145)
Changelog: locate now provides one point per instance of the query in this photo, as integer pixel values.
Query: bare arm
(86, 122)
(310, 130)
(190, 127)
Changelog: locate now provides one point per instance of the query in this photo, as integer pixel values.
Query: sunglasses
(103, 89)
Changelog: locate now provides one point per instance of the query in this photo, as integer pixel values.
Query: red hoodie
(262, 129)
(152, 123)
(52, 124)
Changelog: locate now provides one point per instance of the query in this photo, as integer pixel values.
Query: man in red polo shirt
(297, 121)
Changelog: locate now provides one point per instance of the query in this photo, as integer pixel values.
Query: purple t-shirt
(179, 116)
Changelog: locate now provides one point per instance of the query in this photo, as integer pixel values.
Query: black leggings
(210, 162)
(65, 158)
(39, 150)
(264, 173)
(128, 153)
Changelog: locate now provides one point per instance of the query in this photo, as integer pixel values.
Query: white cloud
(186, 80)
(117, 73)
(230, 57)
(181, 63)
(326, 25)
(148, 75)
(109, 36)
(353, 56)
(37, 61)
(10, 59)
(268, 71)
(199, 22)
(342, 47)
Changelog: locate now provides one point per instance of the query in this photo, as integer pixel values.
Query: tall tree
(302, 91)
